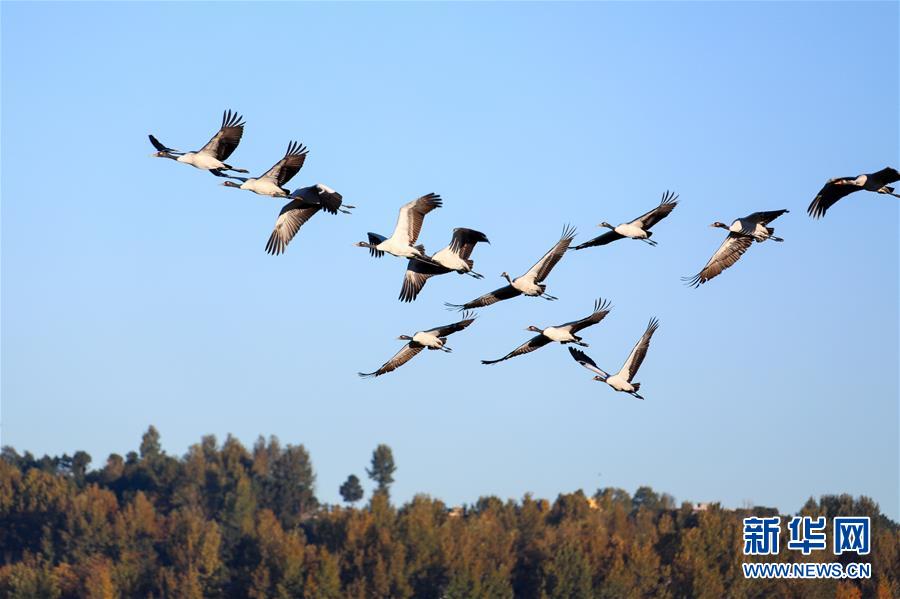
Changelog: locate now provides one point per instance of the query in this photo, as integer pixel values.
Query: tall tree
(383, 468)
(150, 447)
(351, 491)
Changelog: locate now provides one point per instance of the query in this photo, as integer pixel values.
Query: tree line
(227, 521)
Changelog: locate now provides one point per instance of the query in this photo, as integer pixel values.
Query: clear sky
(137, 291)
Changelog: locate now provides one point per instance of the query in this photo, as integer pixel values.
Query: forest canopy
(227, 521)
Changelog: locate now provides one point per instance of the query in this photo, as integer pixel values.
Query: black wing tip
(295, 148)
(432, 200)
(367, 375)
(469, 315)
(568, 233)
(455, 307)
(275, 247)
(653, 324)
(694, 281)
(158, 144)
(231, 118)
(578, 355)
(669, 197)
(601, 304)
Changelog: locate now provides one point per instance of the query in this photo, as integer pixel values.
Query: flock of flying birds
(305, 202)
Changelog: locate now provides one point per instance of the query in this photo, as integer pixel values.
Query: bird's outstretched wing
(607, 237)
(417, 274)
(375, 239)
(666, 206)
(830, 193)
(529, 346)
(293, 215)
(637, 355)
(160, 147)
(400, 358)
(765, 217)
(412, 215)
(464, 241)
(543, 266)
(226, 138)
(448, 329)
(497, 295)
(728, 253)
(601, 309)
(886, 175)
(585, 360)
(328, 199)
(283, 170)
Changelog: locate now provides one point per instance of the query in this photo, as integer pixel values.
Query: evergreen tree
(150, 447)
(351, 491)
(383, 468)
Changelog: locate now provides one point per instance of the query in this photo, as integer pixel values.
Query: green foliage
(222, 521)
(351, 491)
(383, 468)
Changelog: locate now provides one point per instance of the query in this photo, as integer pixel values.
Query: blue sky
(137, 291)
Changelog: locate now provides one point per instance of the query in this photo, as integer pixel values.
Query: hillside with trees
(227, 521)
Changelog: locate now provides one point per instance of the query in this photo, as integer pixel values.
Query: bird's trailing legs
(346, 208)
(648, 241)
(474, 274)
(548, 297)
(889, 191)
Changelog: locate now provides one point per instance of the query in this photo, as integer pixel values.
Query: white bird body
(399, 246)
(754, 228)
(527, 286)
(201, 160)
(449, 259)
(619, 382)
(631, 230)
(264, 187)
(428, 339)
(561, 334)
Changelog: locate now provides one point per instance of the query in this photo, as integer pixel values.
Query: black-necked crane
(835, 189)
(212, 156)
(741, 235)
(402, 243)
(305, 203)
(639, 228)
(623, 380)
(564, 333)
(456, 257)
(435, 339)
(272, 182)
(531, 283)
